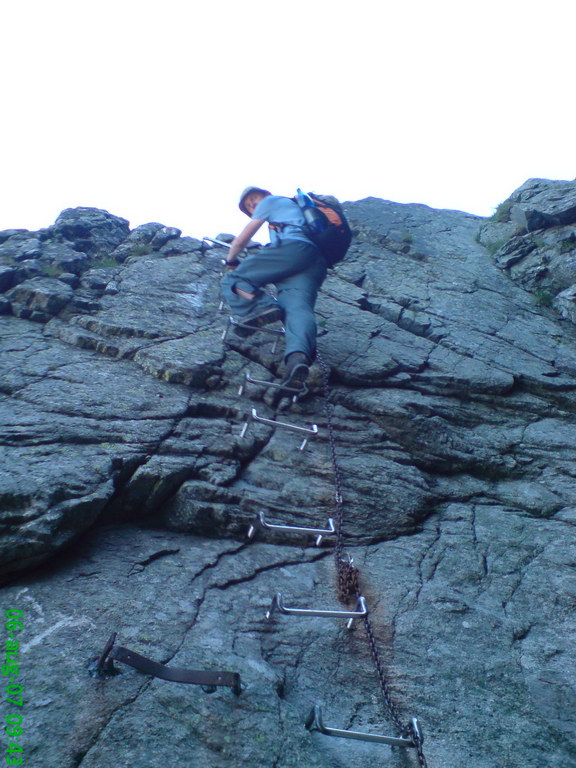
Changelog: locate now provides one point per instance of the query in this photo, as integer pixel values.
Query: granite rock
(128, 490)
(92, 230)
(538, 248)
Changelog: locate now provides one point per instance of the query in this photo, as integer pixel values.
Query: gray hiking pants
(297, 269)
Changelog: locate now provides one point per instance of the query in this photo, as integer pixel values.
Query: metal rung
(264, 328)
(296, 393)
(253, 416)
(209, 681)
(260, 522)
(277, 604)
(314, 723)
(216, 242)
(276, 332)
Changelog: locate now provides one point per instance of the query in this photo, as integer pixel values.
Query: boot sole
(244, 330)
(298, 377)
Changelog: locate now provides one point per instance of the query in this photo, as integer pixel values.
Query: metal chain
(420, 750)
(332, 442)
(348, 575)
(388, 703)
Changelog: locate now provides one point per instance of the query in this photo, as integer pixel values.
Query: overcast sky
(164, 111)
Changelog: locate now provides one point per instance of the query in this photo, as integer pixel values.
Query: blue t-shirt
(282, 210)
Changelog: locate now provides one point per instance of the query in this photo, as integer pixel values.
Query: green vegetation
(568, 245)
(101, 263)
(143, 249)
(502, 213)
(492, 248)
(52, 270)
(543, 298)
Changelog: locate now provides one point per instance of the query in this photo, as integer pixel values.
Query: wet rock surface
(127, 487)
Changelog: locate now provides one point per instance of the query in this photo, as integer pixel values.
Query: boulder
(70, 279)
(39, 298)
(61, 257)
(6, 278)
(553, 201)
(6, 234)
(14, 243)
(539, 252)
(25, 270)
(93, 231)
(30, 248)
(163, 235)
(138, 242)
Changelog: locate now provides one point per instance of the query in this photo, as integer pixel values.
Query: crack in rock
(141, 565)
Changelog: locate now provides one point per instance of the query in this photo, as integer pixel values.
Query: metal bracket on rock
(296, 393)
(260, 522)
(253, 416)
(208, 680)
(314, 723)
(278, 605)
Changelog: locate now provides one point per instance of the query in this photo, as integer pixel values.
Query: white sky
(164, 111)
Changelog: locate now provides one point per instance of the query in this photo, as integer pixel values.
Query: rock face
(535, 242)
(127, 490)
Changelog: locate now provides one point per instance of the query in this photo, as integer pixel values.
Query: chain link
(348, 576)
(332, 443)
(388, 703)
(328, 409)
(420, 751)
(348, 581)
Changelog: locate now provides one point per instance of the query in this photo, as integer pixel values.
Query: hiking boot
(249, 325)
(297, 369)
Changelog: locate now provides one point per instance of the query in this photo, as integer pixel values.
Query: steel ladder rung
(253, 416)
(314, 722)
(260, 522)
(232, 321)
(248, 379)
(278, 605)
(216, 242)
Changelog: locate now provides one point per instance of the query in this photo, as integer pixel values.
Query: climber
(293, 263)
